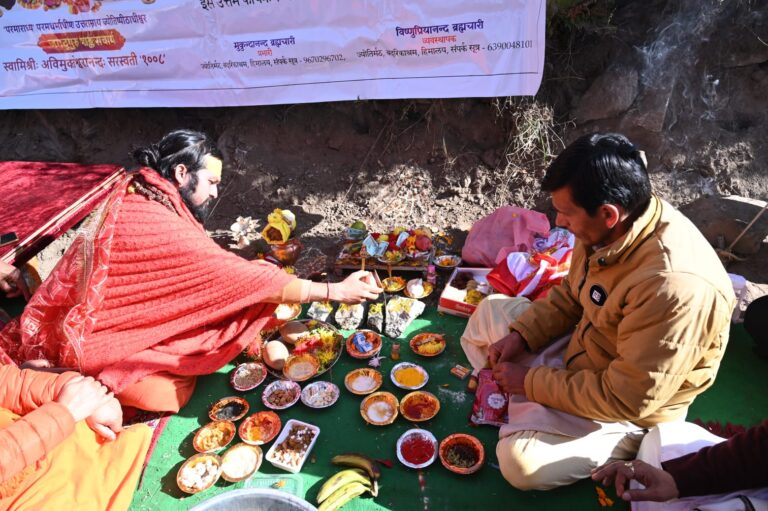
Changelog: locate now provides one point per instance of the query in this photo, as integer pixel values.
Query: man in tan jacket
(648, 304)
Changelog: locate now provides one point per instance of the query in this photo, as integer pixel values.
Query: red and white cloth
(531, 274)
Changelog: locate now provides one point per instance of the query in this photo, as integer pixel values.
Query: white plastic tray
(283, 434)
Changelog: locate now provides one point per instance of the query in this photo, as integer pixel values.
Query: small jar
(431, 274)
(394, 353)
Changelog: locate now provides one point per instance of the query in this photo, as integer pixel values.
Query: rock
(611, 94)
(651, 108)
(722, 219)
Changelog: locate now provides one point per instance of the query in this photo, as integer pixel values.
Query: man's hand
(83, 396)
(11, 281)
(506, 349)
(659, 485)
(356, 288)
(107, 420)
(510, 377)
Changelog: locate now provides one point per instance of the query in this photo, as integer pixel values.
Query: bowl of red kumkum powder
(417, 448)
(462, 453)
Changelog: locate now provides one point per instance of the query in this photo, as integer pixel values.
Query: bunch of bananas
(350, 483)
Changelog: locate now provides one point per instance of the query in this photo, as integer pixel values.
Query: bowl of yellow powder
(409, 376)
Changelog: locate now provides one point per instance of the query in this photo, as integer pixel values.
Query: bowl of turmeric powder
(409, 376)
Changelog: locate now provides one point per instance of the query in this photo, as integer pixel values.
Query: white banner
(178, 53)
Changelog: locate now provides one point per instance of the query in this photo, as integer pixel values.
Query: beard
(199, 211)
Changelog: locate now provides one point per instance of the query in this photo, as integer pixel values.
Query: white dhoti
(543, 448)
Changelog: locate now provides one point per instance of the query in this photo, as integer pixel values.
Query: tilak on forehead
(214, 165)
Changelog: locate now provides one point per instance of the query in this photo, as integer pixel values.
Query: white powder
(379, 412)
(455, 396)
(363, 383)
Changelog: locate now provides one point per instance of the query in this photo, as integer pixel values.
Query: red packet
(490, 406)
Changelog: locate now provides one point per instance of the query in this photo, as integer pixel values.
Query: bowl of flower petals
(199, 473)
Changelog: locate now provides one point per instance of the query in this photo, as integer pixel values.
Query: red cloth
(41, 201)
(142, 291)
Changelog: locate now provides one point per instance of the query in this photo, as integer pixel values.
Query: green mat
(738, 396)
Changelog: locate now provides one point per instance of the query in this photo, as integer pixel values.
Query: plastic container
(294, 468)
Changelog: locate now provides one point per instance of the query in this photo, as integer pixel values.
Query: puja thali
(322, 341)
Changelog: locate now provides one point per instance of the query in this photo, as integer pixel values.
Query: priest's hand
(510, 377)
(357, 287)
(506, 349)
(659, 485)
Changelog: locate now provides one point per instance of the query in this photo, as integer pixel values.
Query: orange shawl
(143, 290)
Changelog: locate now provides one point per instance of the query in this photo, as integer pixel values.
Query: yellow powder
(409, 377)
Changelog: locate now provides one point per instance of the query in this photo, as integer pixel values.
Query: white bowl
(424, 433)
(402, 365)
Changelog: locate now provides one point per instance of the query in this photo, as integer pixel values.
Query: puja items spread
(400, 314)
(490, 406)
(292, 447)
(349, 316)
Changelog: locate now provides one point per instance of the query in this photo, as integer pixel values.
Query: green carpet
(738, 396)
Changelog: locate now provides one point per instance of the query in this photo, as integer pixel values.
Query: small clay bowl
(301, 367)
(377, 402)
(248, 376)
(213, 436)
(406, 365)
(423, 338)
(287, 311)
(370, 336)
(232, 408)
(260, 428)
(419, 406)
(447, 262)
(428, 288)
(393, 284)
(278, 385)
(190, 464)
(411, 433)
(363, 371)
(462, 439)
(229, 463)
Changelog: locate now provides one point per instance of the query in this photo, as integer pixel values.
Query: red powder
(417, 449)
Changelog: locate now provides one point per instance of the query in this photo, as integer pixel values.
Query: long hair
(183, 146)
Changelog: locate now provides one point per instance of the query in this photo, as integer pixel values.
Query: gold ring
(630, 466)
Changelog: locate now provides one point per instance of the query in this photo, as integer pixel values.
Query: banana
(343, 478)
(343, 495)
(361, 461)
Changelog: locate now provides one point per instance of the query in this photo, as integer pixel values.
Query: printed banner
(177, 53)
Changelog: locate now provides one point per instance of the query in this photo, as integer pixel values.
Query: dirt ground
(685, 80)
